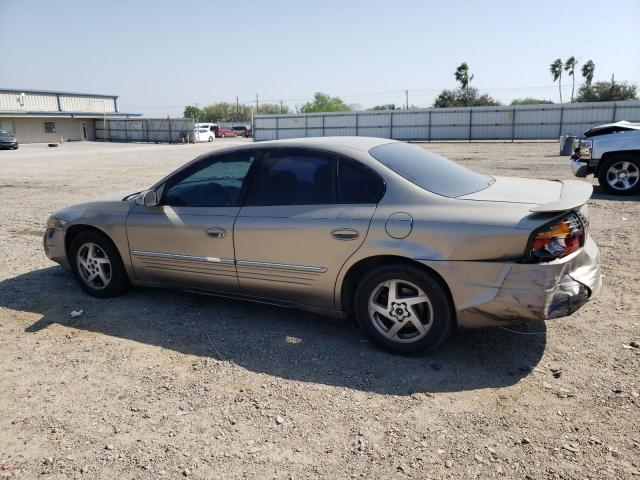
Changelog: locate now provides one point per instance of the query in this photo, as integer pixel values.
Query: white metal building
(51, 116)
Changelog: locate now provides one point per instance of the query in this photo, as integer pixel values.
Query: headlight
(557, 239)
(584, 150)
(56, 223)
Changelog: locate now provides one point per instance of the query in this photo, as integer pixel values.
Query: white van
(205, 132)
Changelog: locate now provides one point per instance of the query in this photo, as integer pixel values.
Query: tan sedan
(410, 243)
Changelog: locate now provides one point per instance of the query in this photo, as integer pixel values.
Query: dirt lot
(164, 384)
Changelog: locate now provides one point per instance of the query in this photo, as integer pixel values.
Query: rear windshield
(430, 171)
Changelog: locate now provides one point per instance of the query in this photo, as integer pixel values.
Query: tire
(103, 263)
(620, 175)
(211, 139)
(434, 313)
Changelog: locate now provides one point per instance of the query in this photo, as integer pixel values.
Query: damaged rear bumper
(501, 293)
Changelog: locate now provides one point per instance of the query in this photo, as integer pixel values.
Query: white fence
(522, 122)
(150, 130)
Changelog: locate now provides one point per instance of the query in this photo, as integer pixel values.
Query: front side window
(213, 183)
(430, 171)
(50, 127)
(295, 178)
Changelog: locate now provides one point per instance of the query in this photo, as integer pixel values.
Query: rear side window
(295, 178)
(430, 171)
(357, 184)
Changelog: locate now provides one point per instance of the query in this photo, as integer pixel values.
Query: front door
(306, 213)
(187, 240)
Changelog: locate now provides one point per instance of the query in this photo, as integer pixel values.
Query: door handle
(215, 232)
(345, 234)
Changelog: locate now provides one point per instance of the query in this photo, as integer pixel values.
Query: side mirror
(148, 198)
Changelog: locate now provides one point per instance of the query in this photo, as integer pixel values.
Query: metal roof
(55, 92)
(69, 114)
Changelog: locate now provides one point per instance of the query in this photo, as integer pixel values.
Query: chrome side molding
(177, 256)
(230, 261)
(281, 266)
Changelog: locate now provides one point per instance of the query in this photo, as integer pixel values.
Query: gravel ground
(164, 384)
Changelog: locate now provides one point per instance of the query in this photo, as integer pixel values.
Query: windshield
(6, 135)
(430, 171)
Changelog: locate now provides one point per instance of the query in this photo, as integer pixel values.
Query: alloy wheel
(94, 265)
(401, 311)
(623, 176)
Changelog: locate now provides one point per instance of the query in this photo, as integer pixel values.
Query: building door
(7, 126)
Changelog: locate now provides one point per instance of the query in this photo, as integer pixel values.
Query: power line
(377, 95)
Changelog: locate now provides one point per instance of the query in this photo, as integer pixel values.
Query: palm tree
(556, 72)
(588, 70)
(570, 66)
(462, 76)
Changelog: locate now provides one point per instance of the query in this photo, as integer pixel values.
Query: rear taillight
(557, 239)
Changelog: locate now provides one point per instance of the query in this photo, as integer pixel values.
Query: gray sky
(162, 55)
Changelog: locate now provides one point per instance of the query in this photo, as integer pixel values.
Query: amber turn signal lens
(558, 239)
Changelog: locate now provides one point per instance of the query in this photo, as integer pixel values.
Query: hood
(611, 128)
(113, 203)
(541, 195)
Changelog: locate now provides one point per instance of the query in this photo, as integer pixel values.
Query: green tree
(191, 112)
(324, 103)
(387, 106)
(570, 68)
(271, 108)
(462, 75)
(588, 69)
(464, 97)
(556, 72)
(529, 101)
(607, 92)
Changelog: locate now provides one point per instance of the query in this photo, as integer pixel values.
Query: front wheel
(620, 175)
(403, 310)
(211, 139)
(97, 266)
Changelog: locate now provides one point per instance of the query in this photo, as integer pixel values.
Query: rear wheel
(97, 266)
(620, 175)
(211, 139)
(403, 309)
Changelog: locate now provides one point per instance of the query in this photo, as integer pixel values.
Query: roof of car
(358, 143)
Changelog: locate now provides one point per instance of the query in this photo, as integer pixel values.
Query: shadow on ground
(600, 194)
(287, 343)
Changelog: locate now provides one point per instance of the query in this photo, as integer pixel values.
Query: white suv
(611, 152)
(205, 132)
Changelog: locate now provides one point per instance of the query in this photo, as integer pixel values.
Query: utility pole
(406, 99)
(197, 112)
(257, 105)
(237, 109)
(280, 107)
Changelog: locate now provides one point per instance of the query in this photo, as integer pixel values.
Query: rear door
(306, 212)
(188, 239)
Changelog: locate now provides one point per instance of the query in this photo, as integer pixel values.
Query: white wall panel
(547, 121)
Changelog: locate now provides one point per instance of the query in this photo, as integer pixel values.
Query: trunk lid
(541, 195)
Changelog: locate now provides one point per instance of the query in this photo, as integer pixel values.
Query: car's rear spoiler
(574, 194)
